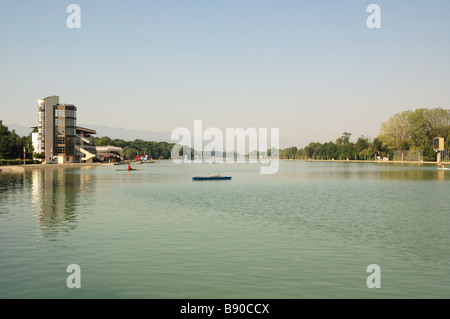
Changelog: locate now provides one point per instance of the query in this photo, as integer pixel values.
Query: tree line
(12, 145)
(341, 149)
(155, 150)
(408, 130)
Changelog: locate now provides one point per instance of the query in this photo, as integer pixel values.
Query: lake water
(309, 231)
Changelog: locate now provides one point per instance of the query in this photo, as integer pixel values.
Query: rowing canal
(309, 231)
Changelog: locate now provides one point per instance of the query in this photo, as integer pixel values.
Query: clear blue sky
(313, 69)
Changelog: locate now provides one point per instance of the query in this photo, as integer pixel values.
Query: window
(70, 122)
(70, 113)
(65, 113)
(70, 131)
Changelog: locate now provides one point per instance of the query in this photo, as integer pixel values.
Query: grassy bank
(369, 161)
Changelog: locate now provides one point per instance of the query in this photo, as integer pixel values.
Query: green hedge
(17, 162)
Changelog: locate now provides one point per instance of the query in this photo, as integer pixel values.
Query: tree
(129, 152)
(5, 149)
(11, 144)
(419, 123)
(395, 133)
(312, 150)
(331, 150)
(361, 148)
(344, 139)
(288, 153)
(103, 141)
(300, 154)
(415, 130)
(40, 155)
(27, 142)
(440, 122)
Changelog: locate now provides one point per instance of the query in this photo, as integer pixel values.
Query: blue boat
(210, 178)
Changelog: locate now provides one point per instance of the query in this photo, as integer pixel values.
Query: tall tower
(56, 130)
(46, 126)
(65, 132)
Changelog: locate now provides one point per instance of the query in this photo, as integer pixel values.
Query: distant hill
(127, 134)
(20, 129)
(121, 133)
(112, 132)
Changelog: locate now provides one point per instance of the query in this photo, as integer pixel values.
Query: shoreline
(368, 161)
(24, 168)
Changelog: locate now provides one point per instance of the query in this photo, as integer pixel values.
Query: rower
(129, 167)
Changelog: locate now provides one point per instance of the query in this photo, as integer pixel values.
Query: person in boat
(443, 166)
(129, 167)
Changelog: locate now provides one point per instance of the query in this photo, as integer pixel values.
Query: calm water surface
(309, 231)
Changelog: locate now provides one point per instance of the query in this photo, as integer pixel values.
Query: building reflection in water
(56, 197)
(443, 174)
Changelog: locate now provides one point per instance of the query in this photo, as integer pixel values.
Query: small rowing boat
(210, 178)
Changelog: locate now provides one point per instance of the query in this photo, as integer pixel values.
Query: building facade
(65, 129)
(58, 135)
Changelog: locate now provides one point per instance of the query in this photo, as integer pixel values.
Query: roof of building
(86, 130)
(102, 149)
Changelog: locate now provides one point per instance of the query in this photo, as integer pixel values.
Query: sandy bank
(24, 168)
(11, 169)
